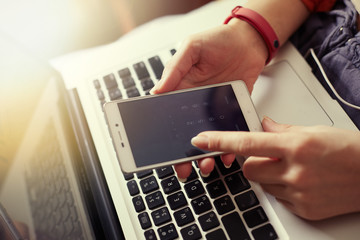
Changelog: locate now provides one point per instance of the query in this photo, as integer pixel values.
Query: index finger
(260, 144)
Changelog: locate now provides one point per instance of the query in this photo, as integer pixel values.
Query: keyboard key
(141, 70)
(265, 232)
(224, 205)
(157, 66)
(65, 212)
(237, 182)
(69, 198)
(124, 73)
(208, 221)
(194, 189)
(183, 217)
(128, 82)
(255, 217)
(138, 203)
(66, 184)
(144, 220)
(128, 176)
(102, 104)
(213, 175)
(164, 172)
(225, 171)
(149, 184)
(193, 175)
(132, 187)
(235, 227)
(177, 200)
(168, 232)
(54, 203)
(77, 231)
(115, 93)
(132, 92)
(172, 51)
(216, 189)
(191, 232)
(150, 235)
(147, 84)
(201, 204)
(216, 235)
(144, 173)
(96, 83)
(110, 81)
(196, 164)
(170, 185)
(62, 199)
(161, 216)
(100, 94)
(246, 200)
(155, 200)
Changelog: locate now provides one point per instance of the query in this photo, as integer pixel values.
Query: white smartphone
(155, 131)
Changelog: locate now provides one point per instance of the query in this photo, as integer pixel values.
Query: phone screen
(160, 129)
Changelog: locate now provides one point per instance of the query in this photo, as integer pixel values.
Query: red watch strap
(261, 25)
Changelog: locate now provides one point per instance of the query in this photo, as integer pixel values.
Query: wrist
(260, 24)
(244, 30)
(285, 17)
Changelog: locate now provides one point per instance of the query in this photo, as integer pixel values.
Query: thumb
(270, 125)
(176, 69)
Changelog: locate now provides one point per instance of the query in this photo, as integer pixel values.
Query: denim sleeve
(319, 5)
(336, 40)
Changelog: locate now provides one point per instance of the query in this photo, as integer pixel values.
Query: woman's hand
(313, 171)
(217, 55)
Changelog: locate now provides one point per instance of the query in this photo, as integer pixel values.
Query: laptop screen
(55, 184)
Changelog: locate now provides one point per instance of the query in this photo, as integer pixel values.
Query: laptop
(68, 139)
(55, 184)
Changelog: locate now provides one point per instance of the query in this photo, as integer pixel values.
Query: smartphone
(156, 130)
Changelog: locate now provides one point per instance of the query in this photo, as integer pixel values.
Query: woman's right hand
(235, 51)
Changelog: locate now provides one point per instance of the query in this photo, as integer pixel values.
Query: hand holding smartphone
(155, 131)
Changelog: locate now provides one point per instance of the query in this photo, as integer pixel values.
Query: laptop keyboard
(129, 87)
(52, 202)
(220, 206)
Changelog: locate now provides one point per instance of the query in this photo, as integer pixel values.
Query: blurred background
(47, 29)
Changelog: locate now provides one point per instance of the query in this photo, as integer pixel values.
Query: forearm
(285, 16)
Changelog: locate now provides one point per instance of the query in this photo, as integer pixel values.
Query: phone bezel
(122, 145)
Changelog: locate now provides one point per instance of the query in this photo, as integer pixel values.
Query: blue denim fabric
(336, 42)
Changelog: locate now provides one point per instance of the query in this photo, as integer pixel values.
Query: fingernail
(157, 85)
(200, 140)
(183, 180)
(153, 90)
(227, 166)
(268, 119)
(204, 175)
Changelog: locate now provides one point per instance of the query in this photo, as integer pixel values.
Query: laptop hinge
(95, 176)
